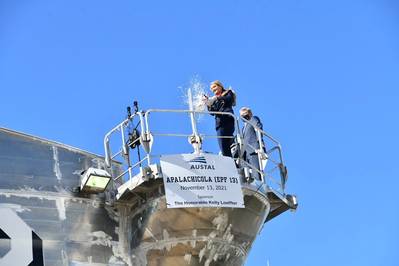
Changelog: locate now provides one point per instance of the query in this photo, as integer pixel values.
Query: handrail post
(239, 138)
(145, 133)
(124, 150)
(196, 139)
(259, 136)
(107, 149)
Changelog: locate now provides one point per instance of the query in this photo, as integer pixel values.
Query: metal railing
(146, 139)
(265, 154)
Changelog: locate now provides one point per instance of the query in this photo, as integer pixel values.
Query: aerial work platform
(195, 216)
(146, 167)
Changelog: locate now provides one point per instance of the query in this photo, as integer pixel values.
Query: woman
(223, 101)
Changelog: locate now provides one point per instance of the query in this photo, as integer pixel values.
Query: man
(250, 139)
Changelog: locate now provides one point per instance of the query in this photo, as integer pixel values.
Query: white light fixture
(94, 180)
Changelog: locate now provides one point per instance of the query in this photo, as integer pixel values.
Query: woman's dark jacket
(223, 104)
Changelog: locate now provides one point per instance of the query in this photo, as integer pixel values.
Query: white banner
(201, 180)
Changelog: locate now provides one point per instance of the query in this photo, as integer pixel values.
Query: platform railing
(146, 139)
(265, 154)
(195, 135)
(123, 149)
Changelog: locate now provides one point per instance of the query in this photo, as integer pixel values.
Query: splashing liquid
(198, 90)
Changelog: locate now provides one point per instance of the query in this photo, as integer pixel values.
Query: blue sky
(322, 75)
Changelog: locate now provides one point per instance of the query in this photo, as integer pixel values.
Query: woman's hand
(210, 101)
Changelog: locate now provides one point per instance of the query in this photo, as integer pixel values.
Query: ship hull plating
(194, 236)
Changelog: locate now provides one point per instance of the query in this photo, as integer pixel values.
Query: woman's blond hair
(219, 83)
